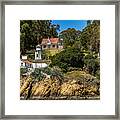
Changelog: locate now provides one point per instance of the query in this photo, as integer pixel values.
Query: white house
(52, 43)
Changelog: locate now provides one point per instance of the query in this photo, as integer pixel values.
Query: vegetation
(92, 64)
(69, 36)
(70, 57)
(81, 49)
(90, 37)
(37, 74)
(48, 53)
(23, 71)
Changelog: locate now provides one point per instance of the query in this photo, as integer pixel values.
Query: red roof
(54, 40)
(50, 40)
(26, 61)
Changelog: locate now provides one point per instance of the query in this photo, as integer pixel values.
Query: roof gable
(50, 40)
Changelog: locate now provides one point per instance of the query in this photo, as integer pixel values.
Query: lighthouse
(38, 62)
(38, 53)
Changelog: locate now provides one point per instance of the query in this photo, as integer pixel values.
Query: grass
(52, 52)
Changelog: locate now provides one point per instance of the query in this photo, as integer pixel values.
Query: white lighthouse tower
(38, 62)
(38, 53)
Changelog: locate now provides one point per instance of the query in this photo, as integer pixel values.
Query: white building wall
(24, 57)
(22, 64)
(38, 55)
(39, 65)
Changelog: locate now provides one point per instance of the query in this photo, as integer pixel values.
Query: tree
(69, 36)
(90, 37)
(92, 64)
(70, 57)
(53, 30)
(26, 36)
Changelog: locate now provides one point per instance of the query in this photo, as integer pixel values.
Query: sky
(65, 24)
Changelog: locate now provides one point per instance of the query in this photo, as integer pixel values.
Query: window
(37, 55)
(21, 64)
(48, 46)
(53, 46)
(44, 46)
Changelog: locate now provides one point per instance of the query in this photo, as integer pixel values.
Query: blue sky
(65, 24)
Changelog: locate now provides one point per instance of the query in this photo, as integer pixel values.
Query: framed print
(60, 59)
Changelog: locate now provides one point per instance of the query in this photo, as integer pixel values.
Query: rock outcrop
(76, 84)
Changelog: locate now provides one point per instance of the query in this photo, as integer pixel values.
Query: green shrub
(92, 63)
(23, 71)
(57, 73)
(44, 55)
(37, 74)
(70, 57)
(31, 56)
(47, 70)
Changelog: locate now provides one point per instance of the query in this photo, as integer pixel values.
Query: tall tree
(53, 30)
(26, 35)
(90, 37)
(69, 36)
